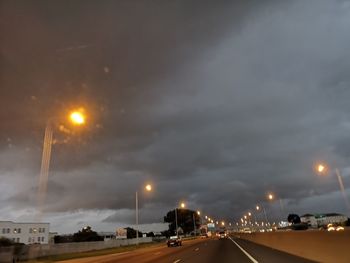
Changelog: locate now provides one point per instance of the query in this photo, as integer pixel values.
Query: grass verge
(93, 253)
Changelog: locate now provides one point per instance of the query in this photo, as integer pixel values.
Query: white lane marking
(245, 252)
(196, 249)
(177, 261)
(157, 253)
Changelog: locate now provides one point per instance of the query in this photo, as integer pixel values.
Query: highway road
(199, 251)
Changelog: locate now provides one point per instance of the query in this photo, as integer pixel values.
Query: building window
(43, 230)
(8, 231)
(29, 239)
(18, 230)
(42, 239)
(39, 229)
(30, 230)
(17, 240)
(39, 239)
(4, 231)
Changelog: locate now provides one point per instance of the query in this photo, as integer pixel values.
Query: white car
(247, 230)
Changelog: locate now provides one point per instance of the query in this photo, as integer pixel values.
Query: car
(247, 230)
(174, 241)
(222, 235)
(331, 227)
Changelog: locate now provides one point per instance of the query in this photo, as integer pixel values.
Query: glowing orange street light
(198, 213)
(148, 187)
(270, 196)
(77, 117)
(182, 205)
(321, 168)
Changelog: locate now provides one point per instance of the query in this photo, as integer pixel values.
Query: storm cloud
(215, 103)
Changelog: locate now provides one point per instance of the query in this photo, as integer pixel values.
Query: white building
(319, 220)
(27, 233)
(107, 235)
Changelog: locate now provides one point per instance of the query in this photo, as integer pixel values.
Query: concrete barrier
(6, 254)
(41, 250)
(321, 246)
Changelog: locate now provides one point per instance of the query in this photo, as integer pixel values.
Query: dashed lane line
(245, 252)
(177, 261)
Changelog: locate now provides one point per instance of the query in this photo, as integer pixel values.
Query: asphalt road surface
(199, 251)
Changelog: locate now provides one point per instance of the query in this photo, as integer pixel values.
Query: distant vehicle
(222, 235)
(331, 227)
(247, 230)
(174, 241)
(204, 236)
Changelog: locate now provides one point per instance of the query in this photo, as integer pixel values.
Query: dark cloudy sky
(214, 102)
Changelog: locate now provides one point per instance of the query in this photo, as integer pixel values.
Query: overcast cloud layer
(215, 103)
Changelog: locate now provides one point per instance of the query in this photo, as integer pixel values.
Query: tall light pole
(322, 169)
(182, 205)
(258, 209)
(148, 188)
(271, 197)
(194, 222)
(75, 117)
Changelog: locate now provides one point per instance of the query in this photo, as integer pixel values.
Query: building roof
(328, 215)
(307, 215)
(23, 222)
(322, 215)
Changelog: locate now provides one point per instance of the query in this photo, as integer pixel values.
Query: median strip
(245, 252)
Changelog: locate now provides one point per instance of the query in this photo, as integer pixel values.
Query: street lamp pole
(194, 224)
(177, 234)
(77, 118)
(257, 208)
(137, 217)
(341, 185)
(148, 188)
(45, 164)
(322, 169)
